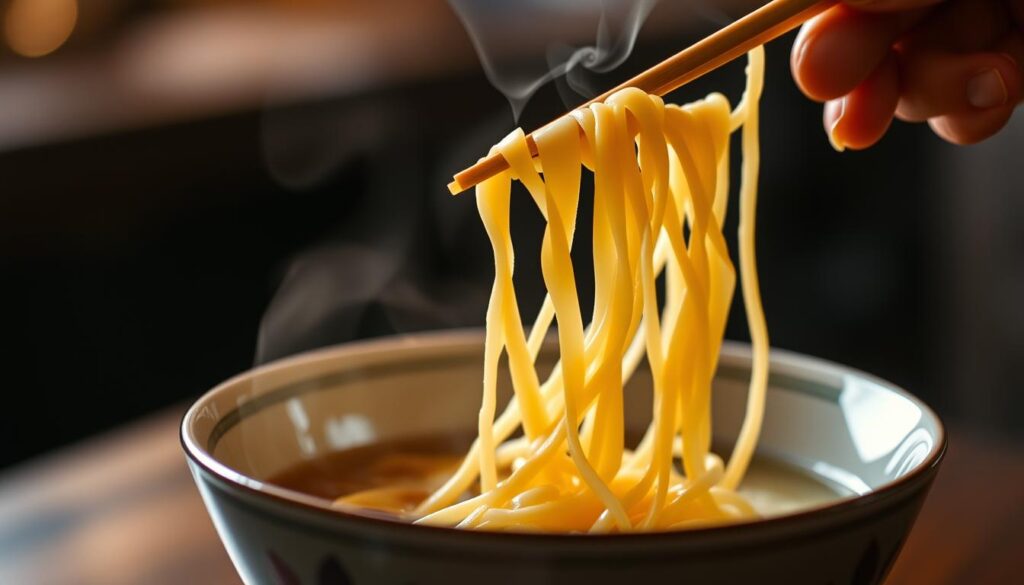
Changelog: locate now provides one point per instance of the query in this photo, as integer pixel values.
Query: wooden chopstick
(757, 28)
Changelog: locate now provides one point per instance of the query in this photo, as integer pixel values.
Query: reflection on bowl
(864, 437)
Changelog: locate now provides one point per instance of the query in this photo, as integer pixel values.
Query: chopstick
(757, 28)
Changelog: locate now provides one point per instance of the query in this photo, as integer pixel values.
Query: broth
(406, 472)
(409, 470)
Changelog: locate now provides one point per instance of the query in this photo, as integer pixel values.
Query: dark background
(145, 233)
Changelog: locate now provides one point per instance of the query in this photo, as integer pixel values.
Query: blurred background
(192, 187)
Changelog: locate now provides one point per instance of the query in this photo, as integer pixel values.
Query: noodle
(660, 200)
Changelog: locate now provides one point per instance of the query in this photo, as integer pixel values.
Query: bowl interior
(851, 430)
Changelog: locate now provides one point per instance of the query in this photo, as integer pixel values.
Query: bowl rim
(261, 490)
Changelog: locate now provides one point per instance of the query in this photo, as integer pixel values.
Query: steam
(710, 11)
(385, 275)
(319, 302)
(345, 291)
(526, 43)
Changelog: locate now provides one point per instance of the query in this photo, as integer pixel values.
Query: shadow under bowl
(865, 436)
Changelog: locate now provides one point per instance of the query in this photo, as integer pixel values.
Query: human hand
(956, 64)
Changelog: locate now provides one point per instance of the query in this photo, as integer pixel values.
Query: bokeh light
(34, 28)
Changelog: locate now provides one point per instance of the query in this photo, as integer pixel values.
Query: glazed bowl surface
(871, 441)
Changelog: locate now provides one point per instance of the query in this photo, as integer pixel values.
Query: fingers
(970, 102)
(861, 118)
(958, 66)
(840, 48)
(972, 127)
(939, 84)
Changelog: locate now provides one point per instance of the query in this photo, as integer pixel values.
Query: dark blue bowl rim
(864, 504)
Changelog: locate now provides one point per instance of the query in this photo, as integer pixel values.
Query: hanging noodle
(660, 198)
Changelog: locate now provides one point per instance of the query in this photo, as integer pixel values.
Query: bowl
(867, 438)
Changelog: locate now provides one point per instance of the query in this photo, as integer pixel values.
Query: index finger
(838, 49)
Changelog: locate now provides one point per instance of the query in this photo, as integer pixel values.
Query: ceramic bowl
(868, 438)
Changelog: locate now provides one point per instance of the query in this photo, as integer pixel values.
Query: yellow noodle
(660, 200)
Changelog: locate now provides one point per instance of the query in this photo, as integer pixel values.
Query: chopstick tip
(454, 187)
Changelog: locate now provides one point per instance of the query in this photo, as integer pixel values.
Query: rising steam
(526, 43)
(385, 276)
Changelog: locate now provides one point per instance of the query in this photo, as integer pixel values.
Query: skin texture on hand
(956, 64)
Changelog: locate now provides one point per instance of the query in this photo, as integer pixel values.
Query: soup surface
(401, 474)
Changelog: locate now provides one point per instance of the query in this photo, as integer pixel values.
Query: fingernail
(833, 136)
(987, 90)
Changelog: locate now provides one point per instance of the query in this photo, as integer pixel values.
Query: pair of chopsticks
(757, 28)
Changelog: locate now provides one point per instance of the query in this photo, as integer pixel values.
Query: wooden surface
(122, 509)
